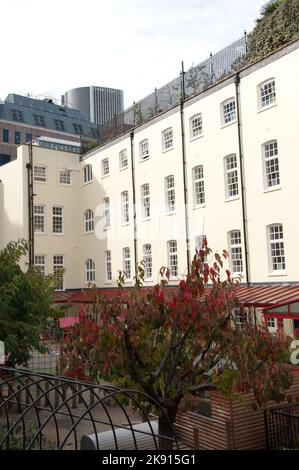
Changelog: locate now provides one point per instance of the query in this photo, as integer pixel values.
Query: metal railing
(197, 79)
(42, 411)
(282, 427)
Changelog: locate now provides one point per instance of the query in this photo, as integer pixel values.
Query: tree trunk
(166, 426)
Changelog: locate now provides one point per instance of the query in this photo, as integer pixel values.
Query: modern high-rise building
(97, 104)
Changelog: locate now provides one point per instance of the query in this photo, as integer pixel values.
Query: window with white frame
(170, 194)
(276, 248)
(58, 263)
(125, 207)
(167, 139)
(235, 250)
(108, 265)
(90, 271)
(40, 173)
(65, 177)
(195, 126)
(271, 323)
(238, 316)
(148, 262)
(127, 262)
(107, 212)
(271, 164)
(198, 186)
(88, 221)
(39, 218)
(267, 93)
(144, 150)
(57, 213)
(172, 251)
(200, 242)
(87, 173)
(231, 176)
(228, 111)
(105, 167)
(145, 201)
(40, 263)
(123, 159)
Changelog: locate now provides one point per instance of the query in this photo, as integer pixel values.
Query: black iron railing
(282, 427)
(40, 411)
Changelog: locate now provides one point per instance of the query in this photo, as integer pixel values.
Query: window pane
(39, 218)
(147, 258)
(267, 93)
(58, 262)
(167, 139)
(40, 173)
(271, 164)
(277, 247)
(143, 150)
(57, 220)
(65, 177)
(229, 111)
(199, 186)
(173, 257)
(232, 186)
(196, 126)
(236, 260)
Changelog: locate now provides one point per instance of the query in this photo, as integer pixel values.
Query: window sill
(199, 206)
(66, 185)
(40, 182)
(58, 234)
(269, 106)
(167, 150)
(273, 188)
(88, 233)
(125, 224)
(40, 233)
(196, 138)
(170, 213)
(233, 198)
(108, 282)
(277, 273)
(237, 275)
(141, 160)
(105, 176)
(145, 219)
(124, 168)
(223, 126)
(106, 228)
(150, 279)
(87, 182)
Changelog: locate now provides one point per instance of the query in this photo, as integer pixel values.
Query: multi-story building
(221, 166)
(23, 118)
(97, 104)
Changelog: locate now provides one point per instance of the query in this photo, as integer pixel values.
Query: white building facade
(223, 166)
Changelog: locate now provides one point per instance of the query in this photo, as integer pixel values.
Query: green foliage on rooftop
(277, 25)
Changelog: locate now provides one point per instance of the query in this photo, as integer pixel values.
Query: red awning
(262, 296)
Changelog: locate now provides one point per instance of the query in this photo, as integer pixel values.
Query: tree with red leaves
(170, 342)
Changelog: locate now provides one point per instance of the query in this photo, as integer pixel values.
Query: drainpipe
(242, 178)
(134, 201)
(29, 167)
(185, 185)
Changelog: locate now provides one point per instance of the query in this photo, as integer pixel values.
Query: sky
(51, 46)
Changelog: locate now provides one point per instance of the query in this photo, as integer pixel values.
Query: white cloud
(134, 45)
